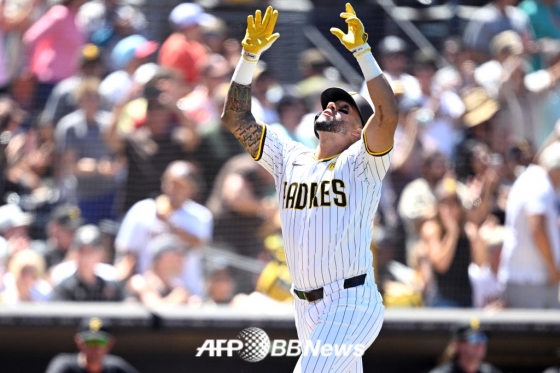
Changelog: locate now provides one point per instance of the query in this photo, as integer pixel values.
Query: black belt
(317, 294)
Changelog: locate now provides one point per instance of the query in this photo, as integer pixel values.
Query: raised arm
(237, 114)
(380, 128)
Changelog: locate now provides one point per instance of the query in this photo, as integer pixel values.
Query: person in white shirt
(530, 264)
(175, 212)
(487, 292)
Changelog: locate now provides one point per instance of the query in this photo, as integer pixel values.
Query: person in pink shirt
(183, 50)
(54, 42)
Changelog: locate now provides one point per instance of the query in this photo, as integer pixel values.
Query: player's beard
(330, 125)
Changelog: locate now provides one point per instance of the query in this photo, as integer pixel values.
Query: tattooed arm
(238, 118)
(237, 115)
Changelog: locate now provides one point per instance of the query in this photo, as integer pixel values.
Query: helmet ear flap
(314, 120)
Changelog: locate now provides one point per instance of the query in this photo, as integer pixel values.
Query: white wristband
(244, 71)
(368, 64)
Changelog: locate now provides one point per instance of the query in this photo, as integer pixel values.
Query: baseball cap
(94, 328)
(479, 106)
(550, 156)
(358, 101)
(68, 215)
(145, 73)
(165, 243)
(88, 235)
(133, 46)
(391, 45)
(11, 216)
(188, 14)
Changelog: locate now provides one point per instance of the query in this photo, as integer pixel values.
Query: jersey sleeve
(369, 166)
(274, 150)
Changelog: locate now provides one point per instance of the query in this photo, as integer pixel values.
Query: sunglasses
(96, 342)
(476, 338)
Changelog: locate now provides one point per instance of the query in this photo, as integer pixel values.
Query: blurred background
(123, 197)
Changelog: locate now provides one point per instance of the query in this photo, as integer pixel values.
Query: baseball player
(327, 198)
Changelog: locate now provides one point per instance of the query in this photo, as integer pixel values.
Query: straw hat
(479, 106)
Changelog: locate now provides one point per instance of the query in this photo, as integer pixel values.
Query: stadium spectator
(157, 141)
(418, 200)
(199, 104)
(63, 222)
(405, 168)
(24, 281)
(490, 20)
(291, 110)
(128, 55)
(220, 286)
(481, 172)
(85, 285)
(85, 157)
(27, 163)
(466, 352)
(451, 243)
(241, 204)
(521, 109)
(441, 110)
(479, 121)
(161, 284)
(544, 84)
(543, 15)
(505, 48)
(106, 22)
(54, 40)
(68, 266)
(530, 265)
(14, 227)
(457, 74)
(95, 340)
(262, 106)
(217, 146)
(487, 292)
(214, 36)
(183, 50)
(18, 17)
(133, 114)
(173, 211)
(11, 21)
(62, 100)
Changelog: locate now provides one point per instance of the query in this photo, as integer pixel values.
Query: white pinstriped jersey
(327, 207)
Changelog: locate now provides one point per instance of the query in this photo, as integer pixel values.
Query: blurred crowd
(118, 181)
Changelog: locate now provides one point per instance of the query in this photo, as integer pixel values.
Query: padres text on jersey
(327, 207)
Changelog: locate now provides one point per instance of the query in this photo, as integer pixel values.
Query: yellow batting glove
(356, 38)
(259, 35)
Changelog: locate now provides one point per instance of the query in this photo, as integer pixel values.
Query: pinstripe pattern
(327, 209)
(349, 316)
(326, 243)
